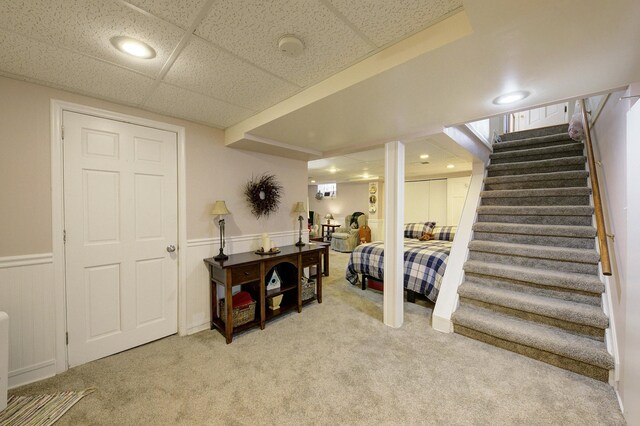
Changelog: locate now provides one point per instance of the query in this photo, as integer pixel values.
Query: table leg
(326, 261)
(262, 296)
(319, 286)
(228, 329)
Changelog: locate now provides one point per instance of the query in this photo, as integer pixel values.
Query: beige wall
(213, 172)
(350, 197)
(610, 148)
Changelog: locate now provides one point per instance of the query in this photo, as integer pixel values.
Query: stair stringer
(448, 298)
(607, 304)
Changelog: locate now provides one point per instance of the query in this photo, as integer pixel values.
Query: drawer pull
(246, 273)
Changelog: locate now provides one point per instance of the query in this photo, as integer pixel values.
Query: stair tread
(532, 140)
(537, 210)
(577, 313)
(554, 162)
(536, 192)
(537, 151)
(572, 174)
(569, 280)
(537, 251)
(546, 338)
(536, 229)
(553, 130)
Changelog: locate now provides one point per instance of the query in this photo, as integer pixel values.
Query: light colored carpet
(39, 410)
(334, 363)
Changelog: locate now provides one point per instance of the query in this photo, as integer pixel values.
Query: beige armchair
(346, 238)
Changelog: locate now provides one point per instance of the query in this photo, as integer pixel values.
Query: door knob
(171, 248)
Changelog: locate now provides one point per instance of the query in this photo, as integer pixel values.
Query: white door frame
(57, 215)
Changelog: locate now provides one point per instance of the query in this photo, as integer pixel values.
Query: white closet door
(416, 201)
(438, 201)
(120, 197)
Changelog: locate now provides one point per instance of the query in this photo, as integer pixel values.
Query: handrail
(597, 202)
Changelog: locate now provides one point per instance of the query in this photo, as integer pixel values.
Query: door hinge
(62, 132)
(64, 236)
(67, 337)
(565, 108)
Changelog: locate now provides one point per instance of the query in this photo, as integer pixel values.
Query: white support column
(393, 235)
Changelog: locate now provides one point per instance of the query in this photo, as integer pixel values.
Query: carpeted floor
(335, 363)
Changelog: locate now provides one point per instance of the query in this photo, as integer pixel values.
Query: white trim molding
(57, 216)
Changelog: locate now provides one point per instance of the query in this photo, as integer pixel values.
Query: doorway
(122, 223)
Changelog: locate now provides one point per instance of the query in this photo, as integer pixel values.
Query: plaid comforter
(424, 264)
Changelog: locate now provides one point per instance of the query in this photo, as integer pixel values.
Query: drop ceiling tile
(86, 26)
(182, 103)
(180, 13)
(251, 29)
(61, 68)
(211, 71)
(386, 21)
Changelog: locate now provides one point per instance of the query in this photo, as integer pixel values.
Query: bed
(424, 262)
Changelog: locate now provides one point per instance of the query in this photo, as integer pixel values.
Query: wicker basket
(308, 289)
(240, 315)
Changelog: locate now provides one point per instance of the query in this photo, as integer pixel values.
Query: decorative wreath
(263, 194)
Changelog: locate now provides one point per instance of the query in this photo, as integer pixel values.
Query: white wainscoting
(27, 296)
(198, 302)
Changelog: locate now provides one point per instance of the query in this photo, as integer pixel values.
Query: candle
(266, 242)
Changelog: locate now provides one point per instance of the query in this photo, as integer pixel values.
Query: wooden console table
(250, 271)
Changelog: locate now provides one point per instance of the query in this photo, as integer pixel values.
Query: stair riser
(537, 220)
(534, 170)
(579, 200)
(560, 183)
(540, 240)
(532, 133)
(577, 329)
(530, 144)
(530, 262)
(536, 289)
(516, 158)
(549, 358)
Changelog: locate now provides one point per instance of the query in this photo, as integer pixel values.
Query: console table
(250, 271)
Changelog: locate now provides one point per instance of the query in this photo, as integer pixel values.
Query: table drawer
(245, 274)
(311, 258)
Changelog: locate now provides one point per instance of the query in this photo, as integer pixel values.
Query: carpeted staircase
(531, 281)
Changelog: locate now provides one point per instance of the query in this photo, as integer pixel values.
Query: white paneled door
(120, 206)
(541, 117)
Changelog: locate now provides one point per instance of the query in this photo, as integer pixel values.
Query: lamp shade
(299, 208)
(328, 216)
(219, 208)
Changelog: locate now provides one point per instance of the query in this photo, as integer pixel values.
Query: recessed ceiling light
(365, 175)
(450, 166)
(423, 156)
(510, 98)
(313, 181)
(133, 47)
(332, 170)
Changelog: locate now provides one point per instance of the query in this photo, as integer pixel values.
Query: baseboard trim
(198, 328)
(32, 373)
(25, 260)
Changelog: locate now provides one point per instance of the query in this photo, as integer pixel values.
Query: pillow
(415, 230)
(444, 233)
(426, 236)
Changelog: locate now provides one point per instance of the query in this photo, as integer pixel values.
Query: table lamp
(220, 209)
(299, 208)
(329, 218)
